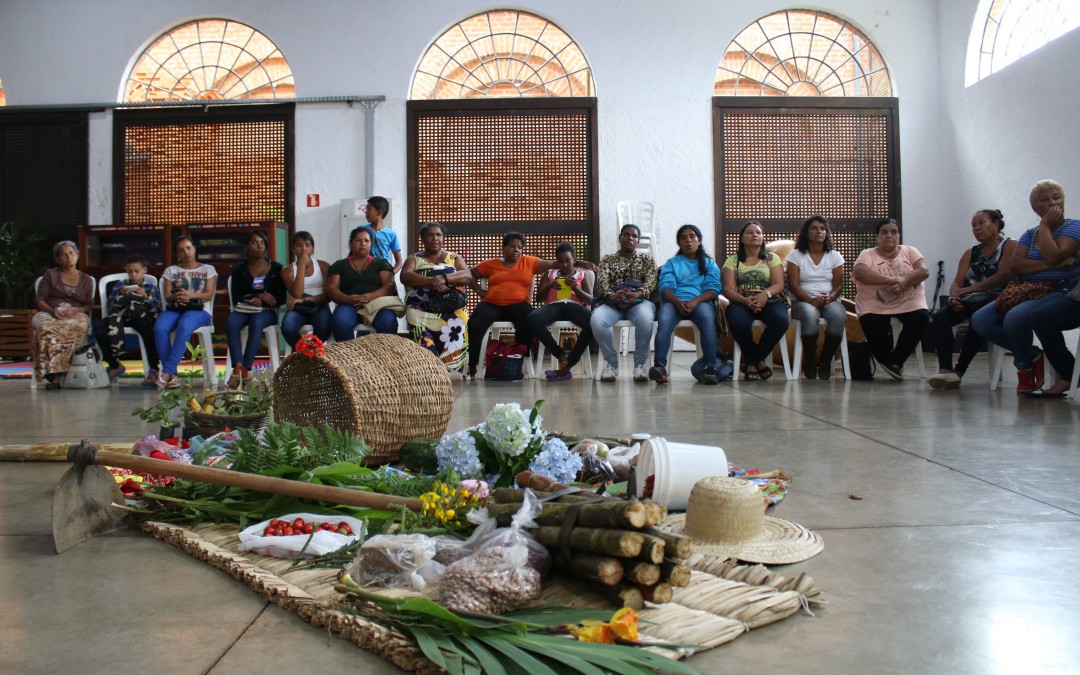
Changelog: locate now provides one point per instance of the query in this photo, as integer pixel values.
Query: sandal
(764, 371)
(751, 375)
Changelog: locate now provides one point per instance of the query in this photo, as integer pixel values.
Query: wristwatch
(768, 294)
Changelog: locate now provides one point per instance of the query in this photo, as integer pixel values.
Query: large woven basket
(383, 388)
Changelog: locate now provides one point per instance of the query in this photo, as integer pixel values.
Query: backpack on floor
(86, 371)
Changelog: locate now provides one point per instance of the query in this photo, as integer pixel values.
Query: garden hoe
(83, 504)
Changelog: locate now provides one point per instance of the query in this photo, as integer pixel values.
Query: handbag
(86, 371)
(861, 360)
(631, 285)
(448, 302)
(307, 307)
(188, 306)
(505, 361)
(1022, 291)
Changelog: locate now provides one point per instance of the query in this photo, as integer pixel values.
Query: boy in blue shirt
(385, 244)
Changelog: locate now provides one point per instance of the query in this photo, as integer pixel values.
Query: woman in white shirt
(815, 275)
(308, 303)
(187, 290)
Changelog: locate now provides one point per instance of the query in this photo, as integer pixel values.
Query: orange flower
(594, 631)
(624, 623)
(310, 346)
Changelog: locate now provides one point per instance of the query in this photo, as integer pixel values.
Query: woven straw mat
(723, 600)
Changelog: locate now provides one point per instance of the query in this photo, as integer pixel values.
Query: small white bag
(322, 542)
(86, 371)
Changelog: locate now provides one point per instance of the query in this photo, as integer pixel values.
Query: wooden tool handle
(248, 481)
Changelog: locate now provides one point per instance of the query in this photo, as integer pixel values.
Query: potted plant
(185, 409)
(24, 255)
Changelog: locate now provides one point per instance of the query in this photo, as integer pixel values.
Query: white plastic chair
(103, 291)
(796, 359)
(89, 331)
(271, 333)
(896, 328)
(496, 331)
(1074, 390)
(206, 341)
(556, 328)
(737, 357)
(637, 213)
(624, 326)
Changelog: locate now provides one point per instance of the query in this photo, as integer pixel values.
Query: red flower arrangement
(310, 346)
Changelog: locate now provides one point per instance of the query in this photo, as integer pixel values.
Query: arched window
(801, 52)
(209, 60)
(1007, 30)
(502, 54)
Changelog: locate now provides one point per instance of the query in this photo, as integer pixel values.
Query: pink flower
(476, 487)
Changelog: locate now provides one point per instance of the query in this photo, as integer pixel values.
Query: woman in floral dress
(434, 320)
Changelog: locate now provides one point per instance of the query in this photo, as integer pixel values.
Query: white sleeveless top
(313, 285)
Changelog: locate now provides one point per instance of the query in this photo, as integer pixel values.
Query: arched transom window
(801, 53)
(207, 60)
(502, 54)
(1006, 30)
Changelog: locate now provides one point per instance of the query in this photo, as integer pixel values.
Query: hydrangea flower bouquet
(509, 441)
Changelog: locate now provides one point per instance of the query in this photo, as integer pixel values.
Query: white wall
(653, 62)
(1006, 132)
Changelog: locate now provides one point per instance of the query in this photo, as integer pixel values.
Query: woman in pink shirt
(889, 285)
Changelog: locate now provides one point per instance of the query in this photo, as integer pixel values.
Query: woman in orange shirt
(508, 296)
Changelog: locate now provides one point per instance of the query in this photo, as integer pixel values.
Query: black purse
(448, 302)
(188, 306)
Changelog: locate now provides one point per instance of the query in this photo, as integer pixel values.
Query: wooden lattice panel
(209, 172)
(503, 167)
(793, 166)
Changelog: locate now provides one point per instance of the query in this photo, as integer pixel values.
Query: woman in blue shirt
(689, 284)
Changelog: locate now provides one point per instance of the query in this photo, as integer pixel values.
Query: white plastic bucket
(676, 467)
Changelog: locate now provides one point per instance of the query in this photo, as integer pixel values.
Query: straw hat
(726, 517)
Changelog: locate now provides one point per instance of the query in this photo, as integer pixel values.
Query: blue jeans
(255, 323)
(703, 316)
(319, 320)
(1049, 320)
(834, 314)
(605, 316)
(345, 319)
(184, 323)
(1013, 330)
(741, 319)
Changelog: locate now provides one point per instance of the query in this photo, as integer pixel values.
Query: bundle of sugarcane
(610, 542)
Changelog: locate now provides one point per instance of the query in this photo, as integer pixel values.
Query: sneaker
(640, 376)
(1038, 364)
(708, 376)
(610, 373)
(115, 373)
(151, 379)
(944, 381)
(657, 374)
(1026, 381)
(894, 372)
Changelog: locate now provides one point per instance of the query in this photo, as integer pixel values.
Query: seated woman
(753, 281)
(815, 274)
(567, 293)
(437, 318)
(65, 298)
(983, 271)
(623, 285)
(187, 288)
(308, 303)
(889, 285)
(363, 287)
(134, 303)
(257, 292)
(507, 297)
(689, 283)
(1045, 259)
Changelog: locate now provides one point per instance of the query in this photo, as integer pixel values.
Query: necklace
(359, 266)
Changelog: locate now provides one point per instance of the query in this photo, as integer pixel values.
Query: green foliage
(524, 642)
(24, 255)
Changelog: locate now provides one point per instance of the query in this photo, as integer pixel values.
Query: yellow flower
(595, 632)
(449, 514)
(625, 623)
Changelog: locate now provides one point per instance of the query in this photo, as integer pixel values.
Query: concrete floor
(959, 557)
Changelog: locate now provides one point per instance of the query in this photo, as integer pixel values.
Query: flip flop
(751, 375)
(764, 372)
(553, 376)
(1040, 393)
